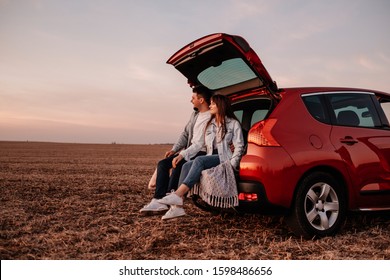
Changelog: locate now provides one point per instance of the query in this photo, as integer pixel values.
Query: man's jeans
(192, 170)
(166, 181)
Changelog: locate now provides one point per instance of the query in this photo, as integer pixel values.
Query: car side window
(248, 112)
(315, 106)
(354, 109)
(251, 111)
(385, 104)
(239, 114)
(257, 116)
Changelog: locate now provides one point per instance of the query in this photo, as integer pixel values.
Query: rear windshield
(229, 72)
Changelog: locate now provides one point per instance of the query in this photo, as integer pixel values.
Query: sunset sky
(95, 71)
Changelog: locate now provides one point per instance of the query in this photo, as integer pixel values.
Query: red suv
(314, 153)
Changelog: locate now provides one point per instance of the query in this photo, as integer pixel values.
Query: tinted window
(354, 109)
(316, 107)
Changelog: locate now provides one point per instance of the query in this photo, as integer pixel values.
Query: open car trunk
(225, 64)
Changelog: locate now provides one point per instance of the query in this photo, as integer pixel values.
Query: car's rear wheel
(319, 207)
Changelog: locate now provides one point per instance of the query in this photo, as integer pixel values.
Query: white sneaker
(171, 199)
(174, 212)
(154, 206)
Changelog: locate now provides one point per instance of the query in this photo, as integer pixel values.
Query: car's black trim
(262, 205)
(375, 192)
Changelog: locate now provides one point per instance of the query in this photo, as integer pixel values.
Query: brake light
(260, 133)
(248, 196)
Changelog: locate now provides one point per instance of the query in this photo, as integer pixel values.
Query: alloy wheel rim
(321, 206)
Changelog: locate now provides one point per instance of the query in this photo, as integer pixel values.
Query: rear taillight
(247, 196)
(260, 134)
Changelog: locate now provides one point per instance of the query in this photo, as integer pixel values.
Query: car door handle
(348, 140)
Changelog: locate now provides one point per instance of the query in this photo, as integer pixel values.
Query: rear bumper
(262, 204)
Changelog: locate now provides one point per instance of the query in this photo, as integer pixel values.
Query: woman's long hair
(224, 110)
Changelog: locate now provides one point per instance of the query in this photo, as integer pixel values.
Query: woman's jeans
(192, 170)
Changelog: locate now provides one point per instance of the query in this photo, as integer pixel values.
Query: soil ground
(81, 201)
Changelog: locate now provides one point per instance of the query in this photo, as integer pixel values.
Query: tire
(319, 207)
